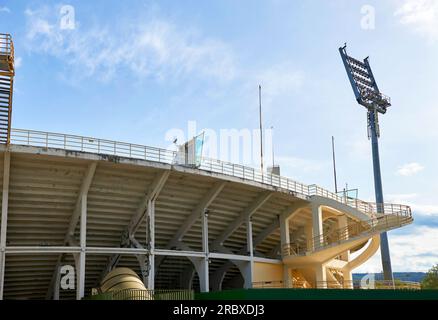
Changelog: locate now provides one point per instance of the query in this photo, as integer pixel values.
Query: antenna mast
(261, 128)
(334, 164)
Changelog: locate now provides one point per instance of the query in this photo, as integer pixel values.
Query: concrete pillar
(308, 231)
(203, 274)
(284, 233)
(4, 219)
(320, 276)
(187, 278)
(342, 224)
(348, 279)
(249, 239)
(246, 268)
(80, 273)
(201, 267)
(57, 283)
(287, 283)
(151, 228)
(317, 225)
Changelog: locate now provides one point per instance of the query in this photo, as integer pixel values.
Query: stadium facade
(203, 224)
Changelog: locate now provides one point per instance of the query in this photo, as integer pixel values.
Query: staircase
(353, 231)
(6, 86)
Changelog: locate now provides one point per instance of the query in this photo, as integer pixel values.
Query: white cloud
(409, 169)
(5, 9)
(421, 15)
(18, 62)
(295, 164)
(277, 81)
(280, 79)
(415, 251)
(359, 148)
(156, 49)
(401, 197)
(409, 199)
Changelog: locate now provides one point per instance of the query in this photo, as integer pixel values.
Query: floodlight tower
(368, 95)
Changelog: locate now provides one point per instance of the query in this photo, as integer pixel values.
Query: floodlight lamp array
(363, 83)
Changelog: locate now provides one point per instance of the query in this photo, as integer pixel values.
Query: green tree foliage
(430, 281)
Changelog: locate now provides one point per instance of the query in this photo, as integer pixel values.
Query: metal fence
(138, 294)
(6, 45)
(341, 284)
(123, 149)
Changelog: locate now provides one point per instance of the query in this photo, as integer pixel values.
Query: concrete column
(342, 224)
(284, 233)
(4, 219)
(308, 231)
(246, 268)
(320, 276)
(348, 279)
(201, 267)
(80, 290)
(186, 280)
(249, 239)
(317, 224)
(57, 284)
(204, 273)
(286, 277)
(250, 268)
(151, 228)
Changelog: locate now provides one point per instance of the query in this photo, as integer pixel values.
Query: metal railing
(341, 284)
(6, 45)
(138, 294)
(352, 230)
(89, 144)
(123, 149)
(7, 50)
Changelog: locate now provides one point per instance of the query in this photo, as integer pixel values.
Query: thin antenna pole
(334, 164)
(261, 128)
(272, 134)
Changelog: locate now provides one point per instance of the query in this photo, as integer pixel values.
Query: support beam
(320, 276)
(195, 214)
(201, 267)
(246, 214)
(151, 194)
(143, 211)
(187, 278)
(284, 231)
(342, 224)
(4, 219)
(198, 210)
(317, 225)
(203, 274)
(76, 215)
(86, 183)
(249, 240)
(266, 232)
(151, 218)
(80, 273)
(220, 273)
(282, 221)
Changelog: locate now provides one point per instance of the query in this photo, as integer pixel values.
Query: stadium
(178, 220)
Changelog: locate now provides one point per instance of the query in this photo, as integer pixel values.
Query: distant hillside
(404, 276)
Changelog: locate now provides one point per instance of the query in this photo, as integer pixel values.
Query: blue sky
(133, 70)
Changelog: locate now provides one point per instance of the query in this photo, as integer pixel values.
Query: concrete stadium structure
(97, 204)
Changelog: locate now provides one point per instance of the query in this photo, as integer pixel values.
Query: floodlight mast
(368, 95)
